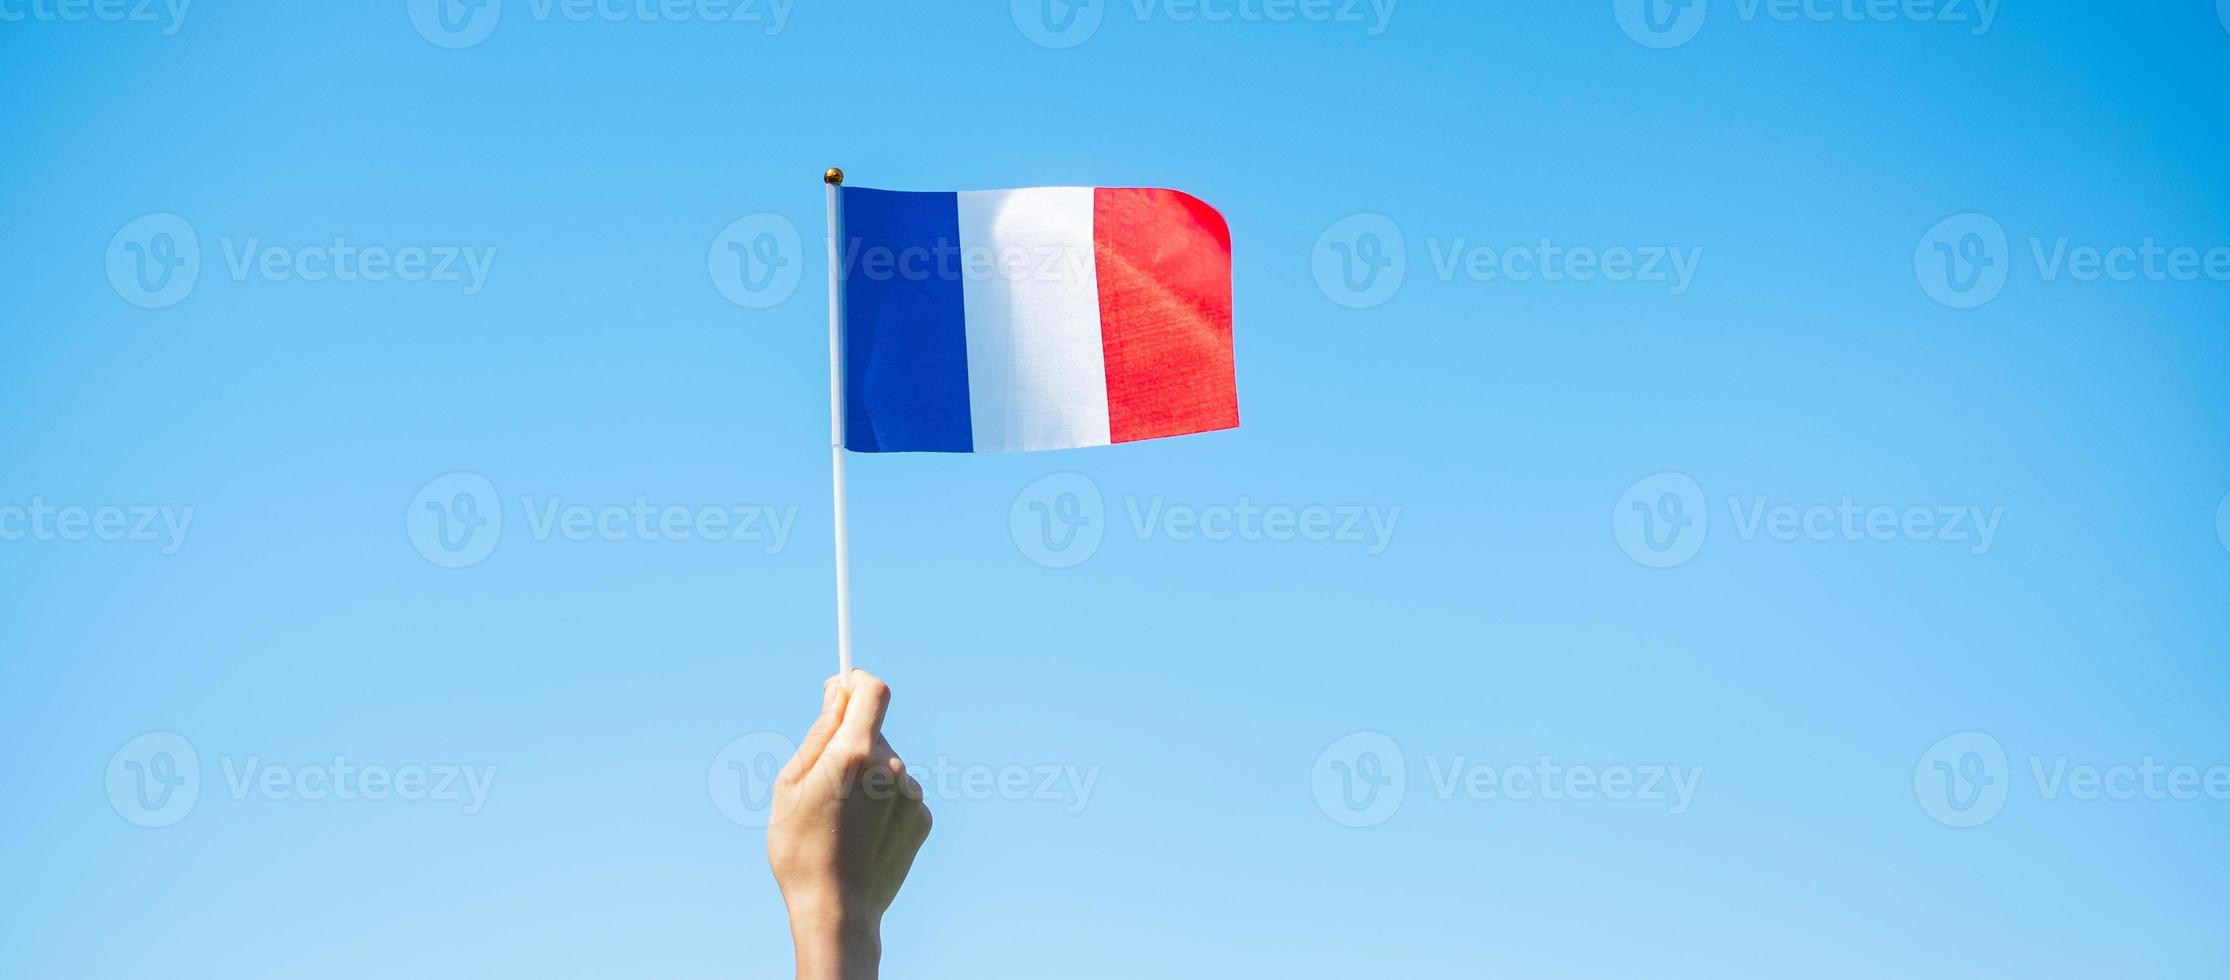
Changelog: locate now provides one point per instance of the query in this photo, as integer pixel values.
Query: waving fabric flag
(1040, 318)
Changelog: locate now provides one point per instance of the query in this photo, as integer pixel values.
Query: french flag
(1030, 319)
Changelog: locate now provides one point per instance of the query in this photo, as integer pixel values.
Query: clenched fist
(847, 822)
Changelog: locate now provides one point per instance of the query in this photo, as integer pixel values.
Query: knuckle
(869, 685)
(853, 753)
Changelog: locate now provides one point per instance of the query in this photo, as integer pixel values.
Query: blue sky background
(1509, 616)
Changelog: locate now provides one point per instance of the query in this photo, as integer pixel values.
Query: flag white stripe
(1037, 375)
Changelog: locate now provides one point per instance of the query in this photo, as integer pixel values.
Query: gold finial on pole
(835, 175)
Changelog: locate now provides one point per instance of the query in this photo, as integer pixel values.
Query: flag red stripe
(1164, 267)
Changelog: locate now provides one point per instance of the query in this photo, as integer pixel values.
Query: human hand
(847, 821)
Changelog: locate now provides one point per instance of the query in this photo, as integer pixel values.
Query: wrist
(835, 942)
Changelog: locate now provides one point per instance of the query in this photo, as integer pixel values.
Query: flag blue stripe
(905, 334)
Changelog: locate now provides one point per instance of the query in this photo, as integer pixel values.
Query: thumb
(833, 699)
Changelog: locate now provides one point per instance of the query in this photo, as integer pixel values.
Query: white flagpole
(834, 180)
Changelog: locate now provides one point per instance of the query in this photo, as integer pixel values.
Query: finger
(816, 741)
(917, 832)
(867, 699)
